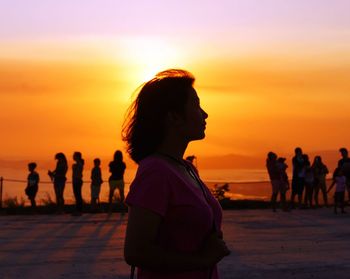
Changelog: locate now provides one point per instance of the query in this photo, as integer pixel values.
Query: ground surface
(299, 244)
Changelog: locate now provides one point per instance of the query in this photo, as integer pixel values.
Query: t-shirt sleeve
(150, 190)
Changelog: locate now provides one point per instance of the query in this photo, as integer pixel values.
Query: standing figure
(32, 184)
(298, 178)
(309, 182)
(275, 177)
(96, 181)
(274, 169)
(116, 180)
(77, 181)
(58, 176)
(282, 166)
(339, 180)
(320, 171)
(344, 164)
(174, 223)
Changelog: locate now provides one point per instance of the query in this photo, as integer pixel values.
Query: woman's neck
(172, 149)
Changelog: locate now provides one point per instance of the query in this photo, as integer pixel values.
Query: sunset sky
(271, 74)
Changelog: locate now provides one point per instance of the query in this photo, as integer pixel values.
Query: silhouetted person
(191, 159)
(32, 184)
(320, 171)
(298, 178)
(174, 222)
(59, 179)
(116, 180)
(274, 170)
(309, 182)
(77, 181)
(282, 166)
(344, 164)
(339, 180)
(96, 181)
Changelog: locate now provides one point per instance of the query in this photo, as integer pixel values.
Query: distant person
(191, 159)
(32, 184)
(116, 180)
(339, 180)
(275, 174)
(308, 182)
(282, 166)
(298, 178)
(320, 171)
(96, 182)
(77, 181)
(58, 176)
(344, 164)
(174, 222)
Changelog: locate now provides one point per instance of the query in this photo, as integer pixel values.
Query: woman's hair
(144, 126)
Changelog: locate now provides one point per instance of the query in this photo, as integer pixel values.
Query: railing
(210, 183)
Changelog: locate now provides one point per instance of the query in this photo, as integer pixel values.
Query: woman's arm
(141, 250)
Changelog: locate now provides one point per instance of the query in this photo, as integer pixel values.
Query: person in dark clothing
(298, 178)
(116, 180)
(77, 181)
(96, 181)
(339, 180)
(58, 176)
(33, 184)
(344, 165)
(275, 171)
(308, 182)
(320, 171)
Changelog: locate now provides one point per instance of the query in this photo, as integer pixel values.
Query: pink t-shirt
(188, 217)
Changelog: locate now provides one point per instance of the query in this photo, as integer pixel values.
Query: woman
(116, 180)
(174, 224)
(59, 179)
(77, 181)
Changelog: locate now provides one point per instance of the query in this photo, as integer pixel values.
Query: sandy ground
(300, 244)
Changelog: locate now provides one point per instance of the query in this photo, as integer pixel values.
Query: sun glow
(148, 56)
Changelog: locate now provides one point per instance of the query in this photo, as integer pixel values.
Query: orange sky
(255, 103)
(271, 77)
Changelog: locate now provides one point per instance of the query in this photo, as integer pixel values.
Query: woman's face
(194, 118)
